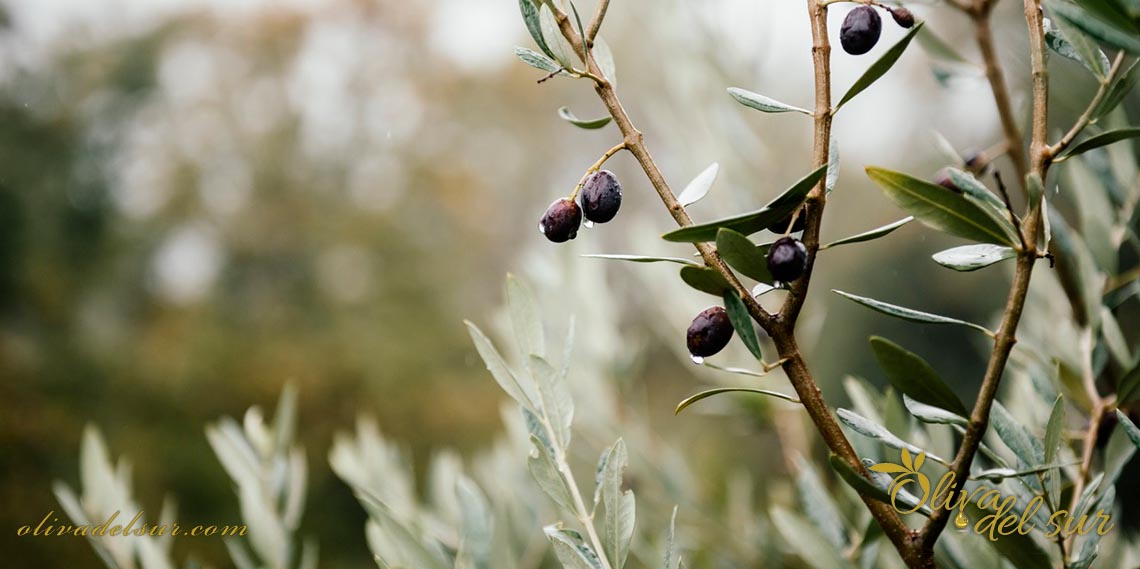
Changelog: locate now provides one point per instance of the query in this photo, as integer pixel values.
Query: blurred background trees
(202, 201)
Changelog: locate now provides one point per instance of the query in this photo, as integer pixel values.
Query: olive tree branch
(1039, 160)
(1086, 117)
(596, 22)
(782, 327)
(634, 142)
(983, 32)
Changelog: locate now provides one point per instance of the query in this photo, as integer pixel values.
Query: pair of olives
(711, 330)
(862, 27)
(601, 199)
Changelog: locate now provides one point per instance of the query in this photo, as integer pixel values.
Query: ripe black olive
(860, 30)
(561, 220)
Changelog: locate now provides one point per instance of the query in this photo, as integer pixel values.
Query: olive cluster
(601, 198)
(712, 329)
(862, 27)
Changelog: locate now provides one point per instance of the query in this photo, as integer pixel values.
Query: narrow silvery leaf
(498, 368)
(761, 289)
(946, 148)
(742, 323)
(940, 208)
(588, 124)
(1088, 554)
(617, 525)
(909, 314)
(1058, 41)
(530, 17)
(973, 257)
(805, 541)
(645, 259)
(817, 503)
(736, 370)
(743, 255)
(545, 472)
(524, 317)
(600, 475)
(581, 29)
(762, 103)
(1102, 139)
(1129, 427)
(604, 57)
(880, 67)
(710, 392)
(931, 414)
(699, 186)
(705, 279)
(754, 221)
(1108, 29)
(1114, 338)
(873, 430)
(571, 550)
(910, 374)
(870, 235)
(537, 60)
(557, 404)
(966, 182)
(1029, 449)
(986, 201)
(832, 164)
(671, 542)
(1118, 89)
(477, 523)
(999, 474)
(560, 49)
(1054, 430)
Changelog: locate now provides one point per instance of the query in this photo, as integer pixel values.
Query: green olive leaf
(743, 255)
(742, 323)
(588, 124)
(881, 66)
(973, 257)
(941, 208)
(911, 375)
(755, 221)
(762, 103)
(705, 279)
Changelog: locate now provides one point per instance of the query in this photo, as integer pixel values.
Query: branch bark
(1038, 161)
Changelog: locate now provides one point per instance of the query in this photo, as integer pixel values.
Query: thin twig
(635, 143)
(1086, 117)
(1008, 203)
(1026, 259)
(782, 330)
(596, 22)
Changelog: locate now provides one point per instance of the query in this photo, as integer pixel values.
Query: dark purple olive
(601, 196)
(860, 30)
(787, 259)
(902, 16)
(561, 220)
(709, 333)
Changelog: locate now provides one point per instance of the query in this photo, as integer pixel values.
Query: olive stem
(1026, 258)
(597, 166)
(1086, 117)
(596, 22)
(635, 143)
